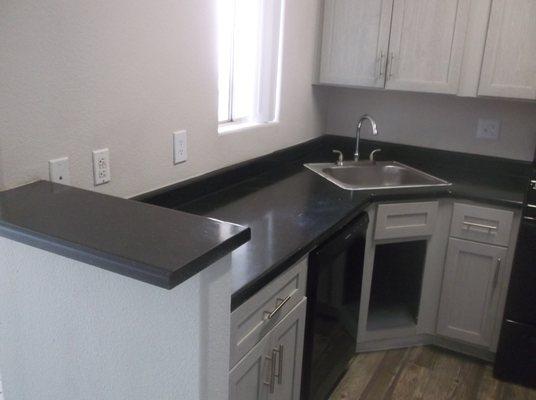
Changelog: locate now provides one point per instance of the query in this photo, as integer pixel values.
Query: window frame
(266, 99)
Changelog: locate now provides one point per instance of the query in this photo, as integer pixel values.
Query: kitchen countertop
(291, 210)
(152, 244)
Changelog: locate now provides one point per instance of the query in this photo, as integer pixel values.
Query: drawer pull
(469, 225)
(271, 314)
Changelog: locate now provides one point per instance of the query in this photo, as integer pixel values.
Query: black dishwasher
(333, 294)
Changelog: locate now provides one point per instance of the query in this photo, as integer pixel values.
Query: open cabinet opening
(396, 285)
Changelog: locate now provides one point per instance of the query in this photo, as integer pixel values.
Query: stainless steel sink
(374, 175)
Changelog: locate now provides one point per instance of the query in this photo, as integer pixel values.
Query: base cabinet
(272, 368)
(470, 295)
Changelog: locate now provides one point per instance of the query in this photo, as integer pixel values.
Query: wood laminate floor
(426, 373)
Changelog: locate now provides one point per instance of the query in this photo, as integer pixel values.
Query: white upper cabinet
(427, 42)
(355, 42)
(464, 47)
(509, 65)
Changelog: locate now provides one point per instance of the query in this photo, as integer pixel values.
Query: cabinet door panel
(426, 48)
(469, 299)
(247, 379)
(287, 341)
(509, 65)
(355, 42)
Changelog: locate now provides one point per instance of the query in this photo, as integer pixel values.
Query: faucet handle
(340, 161)
(372, 153)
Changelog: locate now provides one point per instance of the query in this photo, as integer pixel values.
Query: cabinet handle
(280, 364)
(270, 314)
(496, 276)
(469, 225)
(271, 378)
(380, 61)
(391, 62)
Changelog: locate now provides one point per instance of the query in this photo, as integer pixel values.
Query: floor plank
(385, 375)
(360, 372)
(424, 373)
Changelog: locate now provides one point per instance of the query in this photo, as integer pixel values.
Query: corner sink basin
(375, 175)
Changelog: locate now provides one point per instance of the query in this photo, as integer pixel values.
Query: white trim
(231, 127)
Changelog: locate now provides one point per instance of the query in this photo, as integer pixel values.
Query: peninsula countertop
(149, 243)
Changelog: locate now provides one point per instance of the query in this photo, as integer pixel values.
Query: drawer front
(405, 220)
(256, 317)
(481, 224)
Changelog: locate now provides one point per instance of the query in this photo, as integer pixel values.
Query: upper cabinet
(355, 42)
(426, 47)
(412, 45)
(464, 47)
(509, 65)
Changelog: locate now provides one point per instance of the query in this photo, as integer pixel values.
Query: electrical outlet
(59, 170)
(180, 147)
(101, 166)
(488, 129)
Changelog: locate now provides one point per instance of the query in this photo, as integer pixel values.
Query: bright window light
(249, 41)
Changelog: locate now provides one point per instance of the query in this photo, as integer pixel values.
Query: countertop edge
(123, 266)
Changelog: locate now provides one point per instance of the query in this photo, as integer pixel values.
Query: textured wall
(69, 330)
(77, 76)
(436, 121)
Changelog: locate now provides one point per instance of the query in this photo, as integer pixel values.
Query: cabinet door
(249, 379)
(426, 48)
(469, 299)
(287, 343)
(355, 42)
(509, 65)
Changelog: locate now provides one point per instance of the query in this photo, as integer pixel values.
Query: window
(249, 43)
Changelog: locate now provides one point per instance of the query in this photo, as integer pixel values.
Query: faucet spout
(364, 118)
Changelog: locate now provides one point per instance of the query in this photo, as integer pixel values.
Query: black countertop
(291, 210)
(153, 244)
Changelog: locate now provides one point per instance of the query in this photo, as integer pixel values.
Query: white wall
(435, 121)
(69, 331)
(78, 76)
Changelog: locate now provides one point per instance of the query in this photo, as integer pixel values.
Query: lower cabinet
(470, 296)
(272, 368)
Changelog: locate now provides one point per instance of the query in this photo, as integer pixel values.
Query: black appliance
(516, 354)
(333, 294)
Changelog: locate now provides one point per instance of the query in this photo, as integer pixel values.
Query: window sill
(225, 129)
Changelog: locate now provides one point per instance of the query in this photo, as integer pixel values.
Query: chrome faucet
(358, 132)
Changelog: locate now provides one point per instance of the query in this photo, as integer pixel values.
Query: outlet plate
(488, 129)
(101, 166)
(180, 147)
(59, 170)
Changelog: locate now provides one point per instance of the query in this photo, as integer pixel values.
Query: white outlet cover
(101, 166)
(488, 129)
(180, 147)
(59, 170)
